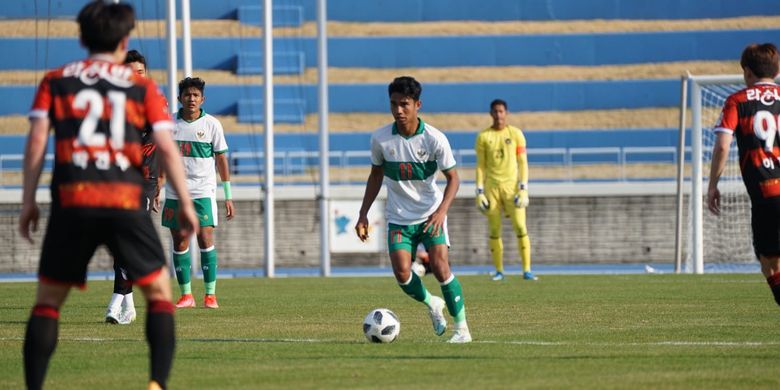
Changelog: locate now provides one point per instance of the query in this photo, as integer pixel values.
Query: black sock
(161, 336)
(774, 285)
(39, 343)
(121, 284)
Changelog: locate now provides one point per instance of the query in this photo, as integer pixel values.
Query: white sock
(461, 326)
(128, 303)
(116, 301)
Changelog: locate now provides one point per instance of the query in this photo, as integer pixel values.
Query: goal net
(715, 243)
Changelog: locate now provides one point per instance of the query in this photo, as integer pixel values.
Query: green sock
(208, 264)
(415, 289)
(183, 265)
(453, 296)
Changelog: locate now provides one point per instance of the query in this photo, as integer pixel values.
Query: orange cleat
(186, 300)
(210, 301)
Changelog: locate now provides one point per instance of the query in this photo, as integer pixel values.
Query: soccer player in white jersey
(202, 143)
(406, 154)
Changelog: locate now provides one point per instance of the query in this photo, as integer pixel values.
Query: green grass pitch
(583, 332)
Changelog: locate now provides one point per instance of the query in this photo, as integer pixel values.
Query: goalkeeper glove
(521, 196)
(482, 201)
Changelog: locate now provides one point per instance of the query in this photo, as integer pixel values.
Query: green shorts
(407, 237)
(204, 208)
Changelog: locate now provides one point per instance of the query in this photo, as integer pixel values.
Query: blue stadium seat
(283, 15)
(285, 110)
(251, 62)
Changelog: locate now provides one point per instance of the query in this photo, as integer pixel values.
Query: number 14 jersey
(753, 115)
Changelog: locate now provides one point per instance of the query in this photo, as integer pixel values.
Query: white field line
(672, 343)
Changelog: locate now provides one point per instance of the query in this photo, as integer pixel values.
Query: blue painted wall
(395, 52)
(443, 97)
(429, 10)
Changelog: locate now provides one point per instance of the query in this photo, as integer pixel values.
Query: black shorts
(765, 221)
(71, 240)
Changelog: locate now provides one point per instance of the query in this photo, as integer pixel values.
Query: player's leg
(137, 249)
(40, 338)
(495, 243)
(399, 243)
(160, 327)
(182, 262)
(206, 209)
(114, 310)
(438, 250)
(208, 264)
(523, 241)
(765, 223)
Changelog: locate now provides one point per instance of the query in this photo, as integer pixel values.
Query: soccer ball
(381, 326)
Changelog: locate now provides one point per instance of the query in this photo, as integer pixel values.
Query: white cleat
(436, 311)
(461, 336)
(113, 315)
(127, 316)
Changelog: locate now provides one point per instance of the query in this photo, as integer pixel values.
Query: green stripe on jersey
(399, 170)
(195, 149)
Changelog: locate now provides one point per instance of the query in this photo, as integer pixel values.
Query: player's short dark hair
(135, 56)
(104, 24)
(405, 85)
(191, 82)
(498, 102)
(762, 59)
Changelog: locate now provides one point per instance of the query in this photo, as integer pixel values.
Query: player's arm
(482, 201)
(373, 185)
(223, 167)
(521, 196)
(34, 154)
(436, 220)
(720, 153)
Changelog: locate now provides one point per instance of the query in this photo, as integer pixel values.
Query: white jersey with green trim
(410, 165)
(198, 141)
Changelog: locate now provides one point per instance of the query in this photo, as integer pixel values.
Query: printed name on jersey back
(767, 96)
(91, 72)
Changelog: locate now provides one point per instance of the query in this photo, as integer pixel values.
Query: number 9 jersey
(98, 111)
(753, 116)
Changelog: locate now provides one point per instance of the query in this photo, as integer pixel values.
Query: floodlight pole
(268, 103)
(322, 71)
(186, 37)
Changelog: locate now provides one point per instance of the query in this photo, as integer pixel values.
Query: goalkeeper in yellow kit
(502, 183)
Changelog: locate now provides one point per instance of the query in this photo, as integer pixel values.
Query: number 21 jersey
(98, 110)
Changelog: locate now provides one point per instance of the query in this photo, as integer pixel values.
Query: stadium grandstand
(595, 86)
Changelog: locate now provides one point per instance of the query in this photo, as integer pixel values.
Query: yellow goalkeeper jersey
(498, 155)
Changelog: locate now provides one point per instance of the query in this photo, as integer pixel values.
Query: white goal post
(723, 241)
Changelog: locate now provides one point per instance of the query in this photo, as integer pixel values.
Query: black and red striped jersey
(98, 111)
(752, 115)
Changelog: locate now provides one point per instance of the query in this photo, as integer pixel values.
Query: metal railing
(298, 162)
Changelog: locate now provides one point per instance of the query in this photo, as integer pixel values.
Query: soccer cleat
(461, 336)
(126, 317)
(436, 311)
(186, 300)
(418, 268)
(210, 301)
(529, 276)
(113, 315)
(153, 385)
(498, 276)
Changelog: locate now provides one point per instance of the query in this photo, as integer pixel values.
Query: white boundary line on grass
(673, 343)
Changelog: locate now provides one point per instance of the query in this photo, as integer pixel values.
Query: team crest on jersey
(422, 154)
(200, 134)
(508, 141)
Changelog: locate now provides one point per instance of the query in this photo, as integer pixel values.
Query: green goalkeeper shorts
(407, 237)
(204, 207)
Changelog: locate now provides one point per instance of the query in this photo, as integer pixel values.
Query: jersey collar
(202, 114)
(420, 129)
